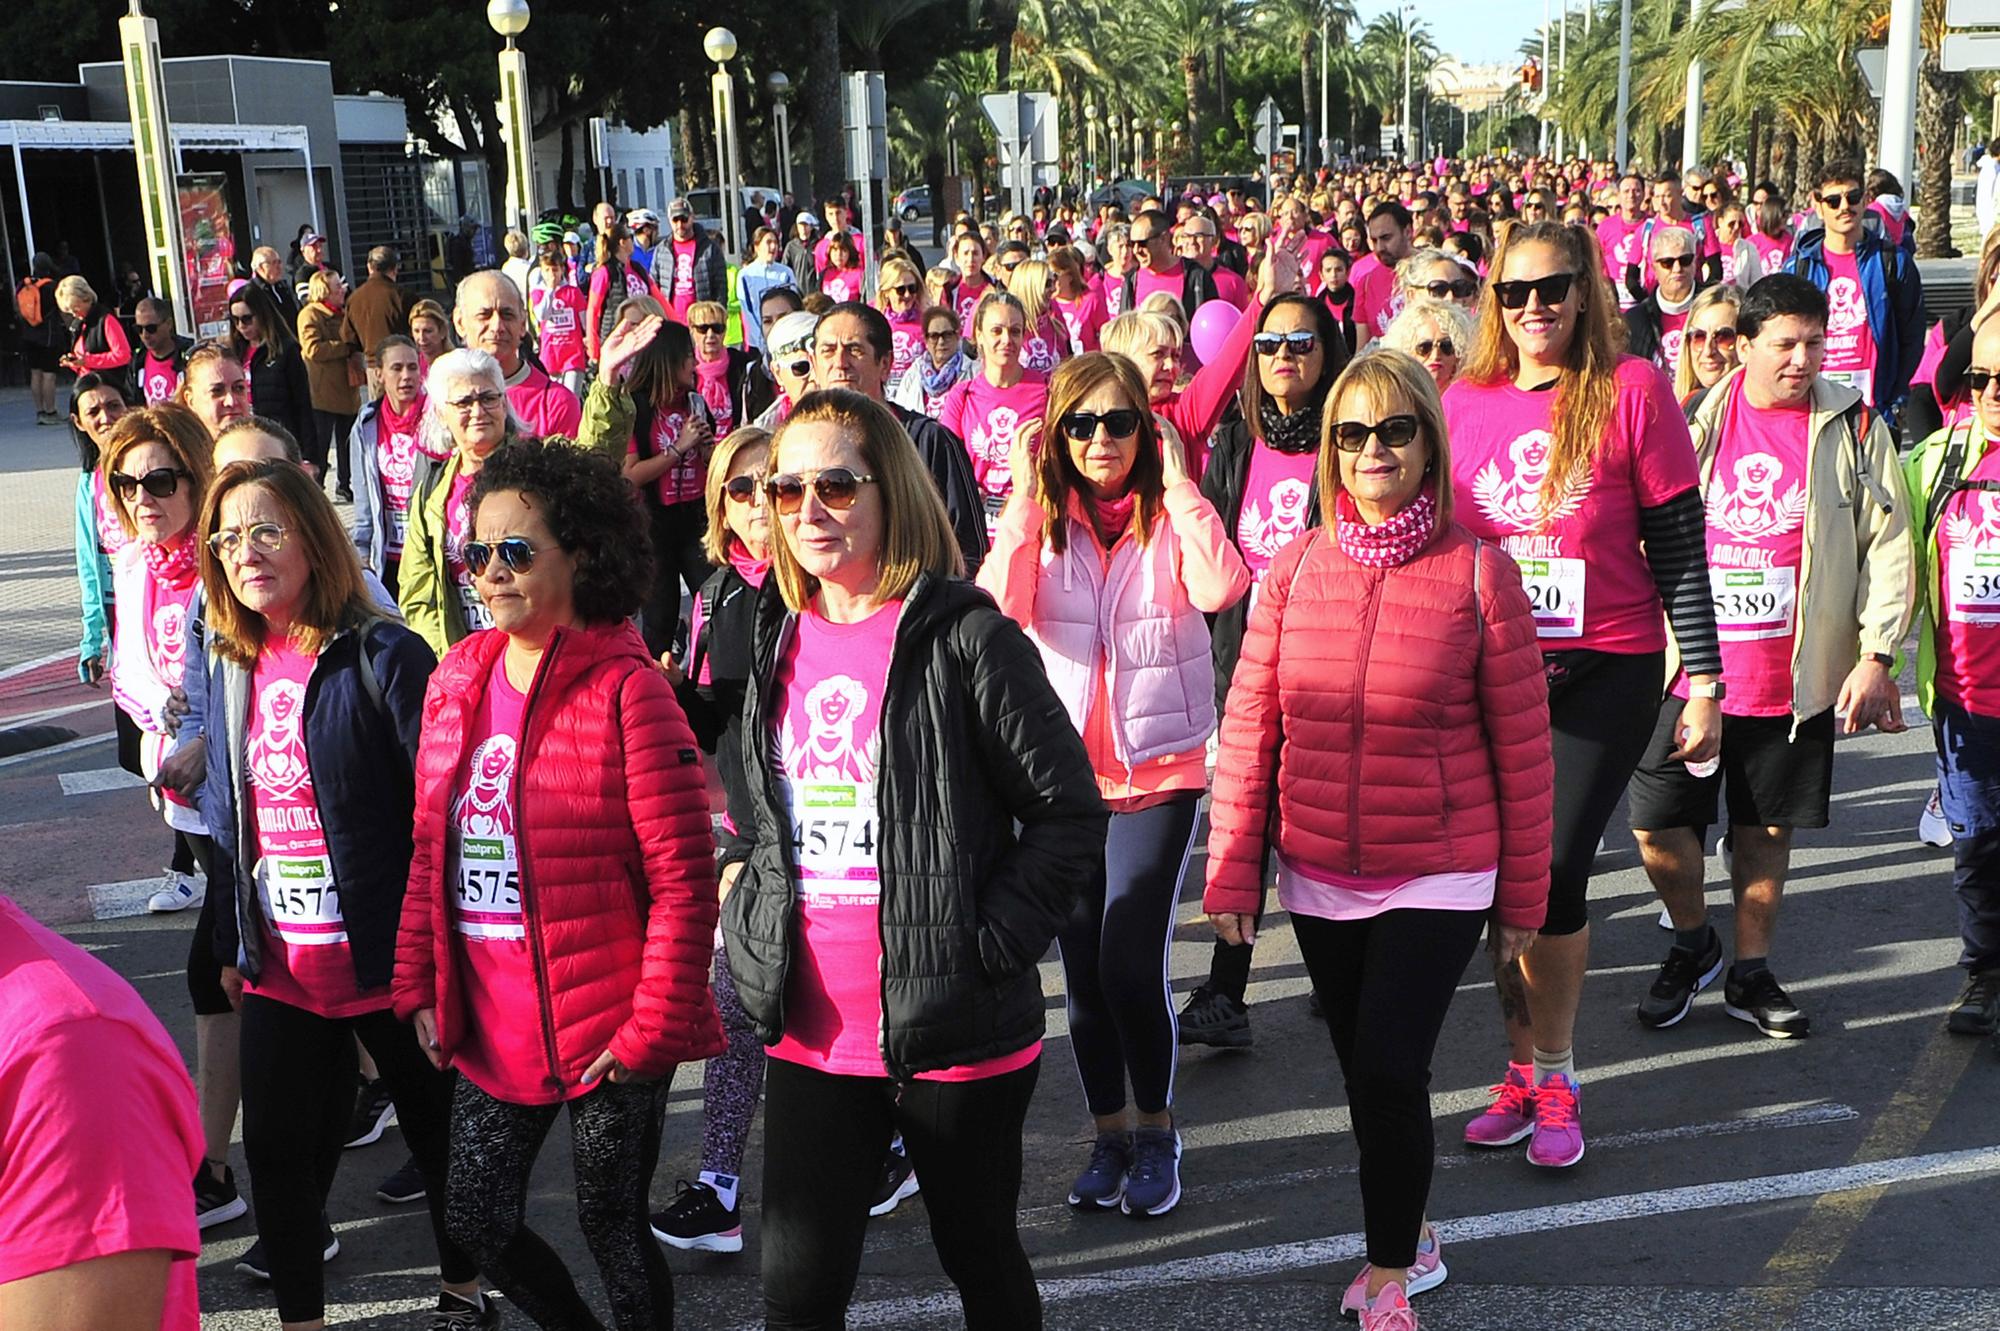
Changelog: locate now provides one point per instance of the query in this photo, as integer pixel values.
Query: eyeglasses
(1300, 340)
(478, 402)
(1553, 290)
(147, 329)
(1976, 380)
(1144, 240)
(1674, 261)
(903, 289)
(265, 538)
(241, 319)
(741, 489)
(161, 482)
(1458, 288)
(1121, 423)
(1393, 431)
(835, 487)
(1852, 198)
(517, 554)
(707, 328)
(1724, 338)
(1443, 346)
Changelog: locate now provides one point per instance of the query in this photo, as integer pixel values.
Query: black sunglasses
(742, 489)
(514, 552)
(835, 487)
(1976, 380)
(161, 482)
(904, 289)
(1300, 340)
(1852, 198)
(1674, 261)
(1393, 431)
(1458, 288)
(1121, 423)
(240, 319)
(1443, 346)
(707, 328)
(147, 328)
(1553, 290)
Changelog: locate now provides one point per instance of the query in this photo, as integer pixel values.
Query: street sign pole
(153, 147)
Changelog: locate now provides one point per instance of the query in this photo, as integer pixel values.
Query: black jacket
(715, 709)
(1197, 287)
(279, 390)
(1223, 477)
(974, 742)
(751, 387)
(951, 467)
(1642, 326)
(361, 745)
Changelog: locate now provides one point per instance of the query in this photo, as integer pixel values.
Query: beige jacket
(1858, 574)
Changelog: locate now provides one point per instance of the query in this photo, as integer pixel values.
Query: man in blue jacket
(1875, 296)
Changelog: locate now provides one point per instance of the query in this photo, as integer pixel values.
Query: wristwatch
(1883, 659)
(1717, 690)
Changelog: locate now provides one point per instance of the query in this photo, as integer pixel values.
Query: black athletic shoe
(344, 494)
(899, 1180)
(216, 1200)
(1682, 975)
(697, 1221)
(374, 1111)
(455, 1314)
(252, 1263)
(1978, 1009)
(1314, 1008)
(1762, 1001)
(1216, 1020)
(405, 1185)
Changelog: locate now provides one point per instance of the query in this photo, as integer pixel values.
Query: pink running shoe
(1427, 1273)
(1511, 1116)
(1390, 1312)
(1558, 1141)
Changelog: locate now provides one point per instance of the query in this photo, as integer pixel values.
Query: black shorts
(1774, 778)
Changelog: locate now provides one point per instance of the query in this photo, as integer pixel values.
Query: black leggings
(298, 1099)
(1602, 709)
(1229, 964)
(677, 558)
(1114, 957)
(330, 431)
(614, 1135)
(1386, 983)
(824, 1138)
(204, 967)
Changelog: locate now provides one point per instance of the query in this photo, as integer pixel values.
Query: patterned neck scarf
(172, 562)
(1394, 542)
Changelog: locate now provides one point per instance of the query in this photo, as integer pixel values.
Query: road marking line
(98, 780)
(1271, 1259)
(24, 667)
(51, 713)
(68, 746)
(117, 901)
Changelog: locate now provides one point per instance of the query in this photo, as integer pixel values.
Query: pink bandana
(172, 562)
(1394, 542)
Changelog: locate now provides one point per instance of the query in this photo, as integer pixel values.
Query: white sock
(1560, 1060)
(725, 1186)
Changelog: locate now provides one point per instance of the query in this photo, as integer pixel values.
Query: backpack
(28, 301)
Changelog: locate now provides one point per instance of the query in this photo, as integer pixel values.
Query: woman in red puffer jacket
(558, 926)
(1387, 735)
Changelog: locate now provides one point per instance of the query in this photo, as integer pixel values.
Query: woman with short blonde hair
(1436, 332)
(899, 294)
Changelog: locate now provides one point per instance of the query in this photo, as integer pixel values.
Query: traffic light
(1531, 76)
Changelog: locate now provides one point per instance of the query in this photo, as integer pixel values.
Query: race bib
(300, 899)
(993, 504)
(1753, 603)
(486, 887)
(399, 527)
(1555, 593)
(477, 616)
(1861, 381)
(1972, 590)
(834, 841)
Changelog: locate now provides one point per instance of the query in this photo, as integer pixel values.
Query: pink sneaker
(1558, 1141)
(1511, 1116)
(1427, 1273)
(1390, 1312)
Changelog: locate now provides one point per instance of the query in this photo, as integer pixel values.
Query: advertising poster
(211, 250)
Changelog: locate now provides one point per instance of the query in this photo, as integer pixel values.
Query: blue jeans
(1968, 748)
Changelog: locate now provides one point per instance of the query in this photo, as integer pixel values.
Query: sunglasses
(903, 289)
(161, 482)
(1458, 288)
(1443, 346)
(1674, 261)
(799, 369)
(835, 487)
(942, 335)
(1301, 341)
(741, 489)
(515, 553)
(241, 319)
(707, 328)
(1722, 337)
(1852, 198)
(1553, 290)
(1393, 431)
(265, 537)
(1081, 426)
(147, 329)
(1976, 380)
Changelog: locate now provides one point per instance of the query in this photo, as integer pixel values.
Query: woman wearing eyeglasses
(264, 341)
(615, 279)
(1436, 332)
(1110, 555)
(1434, 273)
(1735, 258)
(722, 373)
(899, 294)
(1578, 463)
(885, 929)
(1403, 827)
(1708, 345)
(990, 407)
(313, 691)
(943, 366)
(557, 929)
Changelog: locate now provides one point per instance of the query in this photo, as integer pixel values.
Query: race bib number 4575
(486, 888)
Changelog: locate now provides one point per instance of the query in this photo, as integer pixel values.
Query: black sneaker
(1682, 975)
(1216, 1020)
(1978, 1008)
(899, 1180)
(374, 1111)
(252, 1263)
(697, 1221)
(1762, 1001)
(1314, 1008)
(405, 1185)
(216, 1201)
(344, 494)
(455, 1314)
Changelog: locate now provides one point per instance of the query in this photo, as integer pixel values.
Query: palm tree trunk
(829, 154)
(1759, 155)
(1191, 78)
(1785, 162)
(1937, 105)
(1306, 119)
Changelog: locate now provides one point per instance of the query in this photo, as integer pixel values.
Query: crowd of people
(1402, 527)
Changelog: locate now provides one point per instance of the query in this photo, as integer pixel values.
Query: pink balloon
(1211, 327)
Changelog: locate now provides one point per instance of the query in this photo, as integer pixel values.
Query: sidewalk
(38, 596)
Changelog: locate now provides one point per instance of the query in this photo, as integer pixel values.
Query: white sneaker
(177, 891)
(1932, 829)
(1666, 918)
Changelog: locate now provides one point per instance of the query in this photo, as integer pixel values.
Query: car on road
(912, 203)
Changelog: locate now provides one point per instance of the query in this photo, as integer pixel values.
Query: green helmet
(545, 232)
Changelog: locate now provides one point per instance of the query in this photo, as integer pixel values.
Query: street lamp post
(153, 147)
(1090, 143)
(1620, 140)
(720, 46)
(1117, 123)
(1691, 124)
(1160, 153)
(781, 118)
(1409, 11)
(509, 18)
(1562, 72)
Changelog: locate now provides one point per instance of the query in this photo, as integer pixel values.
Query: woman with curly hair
(556, 931)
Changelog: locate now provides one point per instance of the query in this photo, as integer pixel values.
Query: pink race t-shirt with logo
(1145, 282)
(307, 961)
(831, 678)
(682, 481)
(166, 624)
(1622, 244)
(1672, 332)
(1770, 252)
(967, 300)
(1376, 300)
(1850, 343)
(1756, 510)
(1277, 506)
(906, 341)
(1082, 320)
(842, 284)
(988, 419)
(559, 319)
(396, 462)
(1114, 298)
(159, 380)
(682, 295)
(1967, 634)
(457, 531)
(1581, 562)
(1045, 346)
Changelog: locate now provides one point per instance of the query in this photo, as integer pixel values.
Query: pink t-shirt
(502, 1051)
(842, 284)
(307, 961)
(906, 341)
(1233, 288)
(1082, 320)
(1770, 253)
(1113, 292)
(831, 679)
(1672, 326)
(1376, 300)
(1277, 505)
(1623, 244)
(988, 419)
(457, 531)
(165, 624)
(682, 295)
(682, 482)
(1968, 628)
(111, 537)
(967, 300)
(559, 318)
(1328, 894)
(158, 380)
(1145, 282)
(1585, 572)
(544, 405)
(1045, 346)
(1756, 509)
(396, 462)
(100, 1136)
(1850, 343)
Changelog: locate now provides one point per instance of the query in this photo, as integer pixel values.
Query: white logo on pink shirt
(1513, 498)
(1670, 348)
(170, 639)
(830, 751)
(994, 444)
(1846, 308)
(483, 810)
(399, 462)
(1749, 506)
(1961, 529)
(1265, 534)
(1037, 354)
(277, 756)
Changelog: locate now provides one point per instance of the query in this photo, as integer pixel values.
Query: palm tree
(1185, 33)
(1938, 98)
(1383, 43)
(1293, 26)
